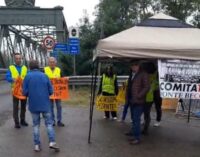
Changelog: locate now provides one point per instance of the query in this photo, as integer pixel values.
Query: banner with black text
(179, 79)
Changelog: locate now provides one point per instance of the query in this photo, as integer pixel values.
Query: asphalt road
(174, 138)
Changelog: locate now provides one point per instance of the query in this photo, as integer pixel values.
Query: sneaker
(24, 123)
(54, 124)
(114, 118)
(60, 124)
(17, 126)
(157, 124)
(129, 134)
(145, 132)
(37, 148)
(134, 142)
(121, 120)
(105, 117)
(53, 145)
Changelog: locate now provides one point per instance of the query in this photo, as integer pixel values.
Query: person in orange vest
(14, 71)
(52, 71)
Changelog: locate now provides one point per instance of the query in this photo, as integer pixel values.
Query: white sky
(73, 9)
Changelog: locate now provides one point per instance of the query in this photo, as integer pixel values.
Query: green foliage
(113, 16)
(66, 64)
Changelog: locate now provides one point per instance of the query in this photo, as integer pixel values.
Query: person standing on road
(37, 87)
(15, 71)
(109, 87)
(52, 71)
(139, 87)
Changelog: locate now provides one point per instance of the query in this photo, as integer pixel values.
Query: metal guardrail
(86, 80)
(74, 80)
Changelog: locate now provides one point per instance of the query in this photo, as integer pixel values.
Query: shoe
(121, 120)
(37, 148)
(60, 124)
(129, 134)
(53, 145)
(114, 118)
(157, 124)
(131, 139)
(54, 124)
(24, 123)
(145, 132)
(17, 126)
(134, 142)
(106, 117)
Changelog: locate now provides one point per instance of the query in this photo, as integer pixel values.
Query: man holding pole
(16, 71)
(52, 71)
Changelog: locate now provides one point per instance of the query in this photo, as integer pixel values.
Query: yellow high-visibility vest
(108, 84)
(52, 73)
(15, 74)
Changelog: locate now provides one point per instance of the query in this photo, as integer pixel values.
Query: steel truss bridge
(22, 30)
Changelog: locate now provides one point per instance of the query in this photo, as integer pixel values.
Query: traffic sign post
(49, 42)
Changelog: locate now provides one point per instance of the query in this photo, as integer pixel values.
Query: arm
(50, 88)
(146, 85)
(100, 86)
(25, 86)
(116, 86)
(9, 77)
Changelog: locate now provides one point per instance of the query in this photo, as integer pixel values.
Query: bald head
(52, 62)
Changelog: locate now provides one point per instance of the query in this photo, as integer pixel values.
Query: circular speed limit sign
(49, 42)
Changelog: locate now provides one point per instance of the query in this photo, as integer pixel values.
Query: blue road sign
(61, 47)
(74, 45)
(74, 49)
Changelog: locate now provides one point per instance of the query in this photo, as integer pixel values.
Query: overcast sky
(73, 9)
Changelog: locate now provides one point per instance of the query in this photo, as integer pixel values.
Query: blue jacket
(8, 73)
(37, 87)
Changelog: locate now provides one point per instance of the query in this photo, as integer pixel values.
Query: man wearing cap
(139, 85)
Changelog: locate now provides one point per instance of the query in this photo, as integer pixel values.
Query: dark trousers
(147, 115)
(113, 113)
(16, 110)
(125, 110)
(158, 104)
(137, 111)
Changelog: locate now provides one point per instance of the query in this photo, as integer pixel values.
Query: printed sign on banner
(17, 89)
(106, 103)
(179, 79)
(60, 88)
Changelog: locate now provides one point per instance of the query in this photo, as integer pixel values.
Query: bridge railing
(75, 80)
(2, 74)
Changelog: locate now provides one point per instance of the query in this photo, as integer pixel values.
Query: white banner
(179, 79)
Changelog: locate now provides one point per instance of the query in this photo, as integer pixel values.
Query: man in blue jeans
(139, 86)
(52, 71)
(37, 88)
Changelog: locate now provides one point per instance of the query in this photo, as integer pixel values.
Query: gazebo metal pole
(93, 99)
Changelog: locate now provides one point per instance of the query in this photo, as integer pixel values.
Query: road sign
(74, 45)
(61, 47)
(74, 49)
(49, 42)
(73, 32)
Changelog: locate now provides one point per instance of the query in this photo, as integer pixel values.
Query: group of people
(142, 91)
(37, 88)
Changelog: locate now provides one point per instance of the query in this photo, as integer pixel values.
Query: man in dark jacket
(139, 87)
(37, 88)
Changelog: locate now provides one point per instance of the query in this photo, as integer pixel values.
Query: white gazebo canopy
(160, 36)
